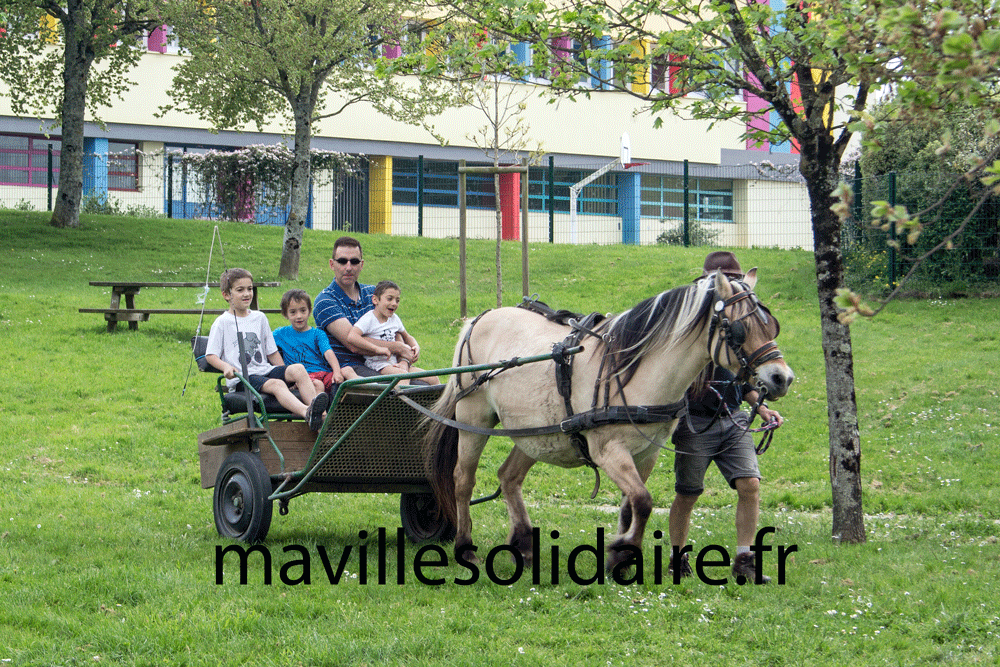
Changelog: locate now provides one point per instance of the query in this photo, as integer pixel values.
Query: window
(599, 197)
(710, 199)
(441, 188)
(24, 160)
(123, 166)
(440, 183)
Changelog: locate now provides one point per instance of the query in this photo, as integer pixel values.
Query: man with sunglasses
(715, 429)
(342, 303)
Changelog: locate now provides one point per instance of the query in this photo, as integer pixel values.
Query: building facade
(746, 195)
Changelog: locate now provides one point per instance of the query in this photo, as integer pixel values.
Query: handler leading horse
(625, 389)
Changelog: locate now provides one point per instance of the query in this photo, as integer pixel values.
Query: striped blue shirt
(332, 304)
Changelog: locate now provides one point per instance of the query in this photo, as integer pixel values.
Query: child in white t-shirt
(383, 323)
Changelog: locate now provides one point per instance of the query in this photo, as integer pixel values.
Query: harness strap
(466, 346)
(623, 414)
(642, 414)
(509, 432)
(767, 352)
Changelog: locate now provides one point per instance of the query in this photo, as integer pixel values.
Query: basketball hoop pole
(624, 160)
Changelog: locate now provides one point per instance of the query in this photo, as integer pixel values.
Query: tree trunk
(298, 209)
(66, 211)
(820, 169)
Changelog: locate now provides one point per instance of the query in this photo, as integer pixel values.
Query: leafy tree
(811, 65)
(260, 59)
(53, 46)
(486, 82)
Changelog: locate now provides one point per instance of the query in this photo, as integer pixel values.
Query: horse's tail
(442, 442)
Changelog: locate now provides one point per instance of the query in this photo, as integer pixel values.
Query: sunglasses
(343, 261)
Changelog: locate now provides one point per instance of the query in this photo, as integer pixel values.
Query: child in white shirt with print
(383, 323)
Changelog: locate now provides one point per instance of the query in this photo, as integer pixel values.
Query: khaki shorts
(727, 442)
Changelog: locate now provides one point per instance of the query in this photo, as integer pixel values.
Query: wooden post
(462, 171)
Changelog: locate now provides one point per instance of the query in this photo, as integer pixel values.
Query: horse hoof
(466, 554)
(620, 554)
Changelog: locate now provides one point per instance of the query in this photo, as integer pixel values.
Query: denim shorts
(727, 442)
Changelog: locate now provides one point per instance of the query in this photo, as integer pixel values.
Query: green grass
(107, 542)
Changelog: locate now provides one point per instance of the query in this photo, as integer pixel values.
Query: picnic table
(116, 313)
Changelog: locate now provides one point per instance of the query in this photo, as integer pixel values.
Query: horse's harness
(733, 333)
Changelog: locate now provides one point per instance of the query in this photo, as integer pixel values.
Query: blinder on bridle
(734, 332)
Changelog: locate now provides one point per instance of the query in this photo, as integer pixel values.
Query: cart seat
(235, 402)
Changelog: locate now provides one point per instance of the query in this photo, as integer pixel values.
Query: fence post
(687, 209)
(184, 193)
(170, 185)
(892, 231)
(552, 199)
(50, 177)
(420, 195)
(463, 309)
(525, 184)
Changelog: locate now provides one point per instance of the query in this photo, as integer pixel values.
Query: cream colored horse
(651, 355)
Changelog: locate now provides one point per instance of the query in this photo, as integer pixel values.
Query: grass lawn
(108, 546)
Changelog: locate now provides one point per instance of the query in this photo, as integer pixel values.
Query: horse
(640, 361)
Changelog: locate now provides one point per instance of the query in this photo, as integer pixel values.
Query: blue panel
(602, 80)
(629, 206)
(95, 168)
(785, 146)
(522, 51)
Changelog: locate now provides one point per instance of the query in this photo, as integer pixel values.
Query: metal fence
(633, 204)
(880, 257)
(751, 205)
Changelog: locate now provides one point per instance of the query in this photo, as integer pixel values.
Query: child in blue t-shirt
(306, 345)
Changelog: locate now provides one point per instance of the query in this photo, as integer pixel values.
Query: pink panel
(158, 40)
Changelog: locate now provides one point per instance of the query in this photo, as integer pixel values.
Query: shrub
(699, 233)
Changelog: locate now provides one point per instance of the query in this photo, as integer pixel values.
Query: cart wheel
(242, 510)
(421, 520)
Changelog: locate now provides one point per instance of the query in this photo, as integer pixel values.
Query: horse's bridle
(734, 333)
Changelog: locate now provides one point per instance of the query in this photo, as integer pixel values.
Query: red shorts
(326, 377)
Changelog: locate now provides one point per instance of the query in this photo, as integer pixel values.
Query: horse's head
(742, 333)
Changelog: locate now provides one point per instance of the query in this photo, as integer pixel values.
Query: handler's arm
(766, 413)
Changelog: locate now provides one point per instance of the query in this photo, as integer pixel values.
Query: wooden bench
(115, 313)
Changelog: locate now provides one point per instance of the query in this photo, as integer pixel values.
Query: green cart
(371, 442)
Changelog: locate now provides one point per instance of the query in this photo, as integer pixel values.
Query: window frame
(122, 157)
(709, 200)
(33, 154)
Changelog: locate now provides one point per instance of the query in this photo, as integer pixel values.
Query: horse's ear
(722, 287)
(751, 278)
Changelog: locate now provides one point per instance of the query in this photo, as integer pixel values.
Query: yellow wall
(380, 194)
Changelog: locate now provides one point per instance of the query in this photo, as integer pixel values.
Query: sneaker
(683, 566)
(314, 415)
(744, 569)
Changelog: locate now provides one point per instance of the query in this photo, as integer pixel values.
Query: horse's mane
(665, 319)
